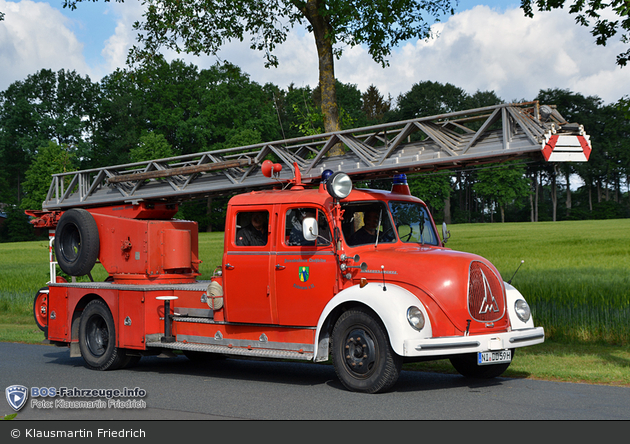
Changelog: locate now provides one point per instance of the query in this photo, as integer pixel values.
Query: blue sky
(486, 45)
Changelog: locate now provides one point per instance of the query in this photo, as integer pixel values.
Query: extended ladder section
(482, 135)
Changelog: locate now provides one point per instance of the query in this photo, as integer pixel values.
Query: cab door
(246, 266)
(305, 272)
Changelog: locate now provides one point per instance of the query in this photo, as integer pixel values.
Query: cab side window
(252, 228)
(293, 227)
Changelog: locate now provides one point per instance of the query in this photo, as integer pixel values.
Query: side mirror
(310, 230)
(445, 233)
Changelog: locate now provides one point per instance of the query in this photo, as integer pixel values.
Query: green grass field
(576, 274)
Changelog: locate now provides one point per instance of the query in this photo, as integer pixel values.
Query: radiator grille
(486, 300)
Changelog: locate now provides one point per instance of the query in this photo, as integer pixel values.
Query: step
(236, 351)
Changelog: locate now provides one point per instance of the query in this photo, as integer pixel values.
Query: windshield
(413, 223)
(362, 220)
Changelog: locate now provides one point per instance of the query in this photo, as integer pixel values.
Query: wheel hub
(360, 352)
(97, 338)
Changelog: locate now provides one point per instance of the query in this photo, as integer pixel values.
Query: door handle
(229, 267)
(280, 267)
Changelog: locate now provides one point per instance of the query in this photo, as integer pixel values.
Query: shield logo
(303, 271)
(488, 305)
(16, 396)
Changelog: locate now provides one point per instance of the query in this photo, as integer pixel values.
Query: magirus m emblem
(488, 304)
(16, 396)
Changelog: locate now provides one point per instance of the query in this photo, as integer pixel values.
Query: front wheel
(97, 338)
(467, 366)
(362, 355)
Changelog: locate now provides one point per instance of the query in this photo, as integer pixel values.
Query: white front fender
(512, 295)
(391, 307)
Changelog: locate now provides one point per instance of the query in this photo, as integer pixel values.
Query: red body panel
(138, 250)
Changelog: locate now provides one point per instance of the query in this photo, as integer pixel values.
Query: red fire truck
(312, 268)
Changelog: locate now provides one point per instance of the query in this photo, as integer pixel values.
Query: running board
(236, 351)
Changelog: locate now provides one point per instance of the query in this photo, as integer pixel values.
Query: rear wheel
(97, 338)
(467, 366)
(362, 355)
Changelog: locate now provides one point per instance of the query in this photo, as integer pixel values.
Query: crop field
(575, 275)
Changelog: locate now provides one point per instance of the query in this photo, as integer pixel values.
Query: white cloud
(117, 46)
(478, 49)
(483, 49)
(35, 36)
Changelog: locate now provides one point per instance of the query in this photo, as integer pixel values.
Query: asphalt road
(236, 389)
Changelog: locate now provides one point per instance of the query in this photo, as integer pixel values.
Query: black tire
(362, 355)
(76, 242)
(97, 338)
(40, 309)
(466, 365)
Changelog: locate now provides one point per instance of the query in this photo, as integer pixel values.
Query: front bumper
(457, 345)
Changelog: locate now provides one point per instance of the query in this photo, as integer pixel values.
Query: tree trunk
(554, 193)
(209, 213)
(321, 29)
(447, 209)
(536, 200)
(568, 202)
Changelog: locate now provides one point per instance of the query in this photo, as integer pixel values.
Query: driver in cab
(367, 233)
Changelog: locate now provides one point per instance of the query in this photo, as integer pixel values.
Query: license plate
(494, 357)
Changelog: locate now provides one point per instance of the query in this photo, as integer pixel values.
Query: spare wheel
(76, 242)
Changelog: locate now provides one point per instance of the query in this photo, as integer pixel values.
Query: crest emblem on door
(303, 273)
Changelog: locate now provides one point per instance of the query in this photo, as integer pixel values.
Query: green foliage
(374, 105)
(432, 188)
(50, 159)
(503, 184)
(47, 106)
(152, 146)
(16, 227)
(310, 122)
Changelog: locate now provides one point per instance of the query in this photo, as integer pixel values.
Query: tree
(375, 106)
(502, 184)
(429, 98)
(50, 159)
(589, 13)
(151, 146)
(435, 190)
(58, 106)
(202, 27)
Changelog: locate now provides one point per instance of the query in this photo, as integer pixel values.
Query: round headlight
(415, 318)
(339, 185)
(522, 310)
